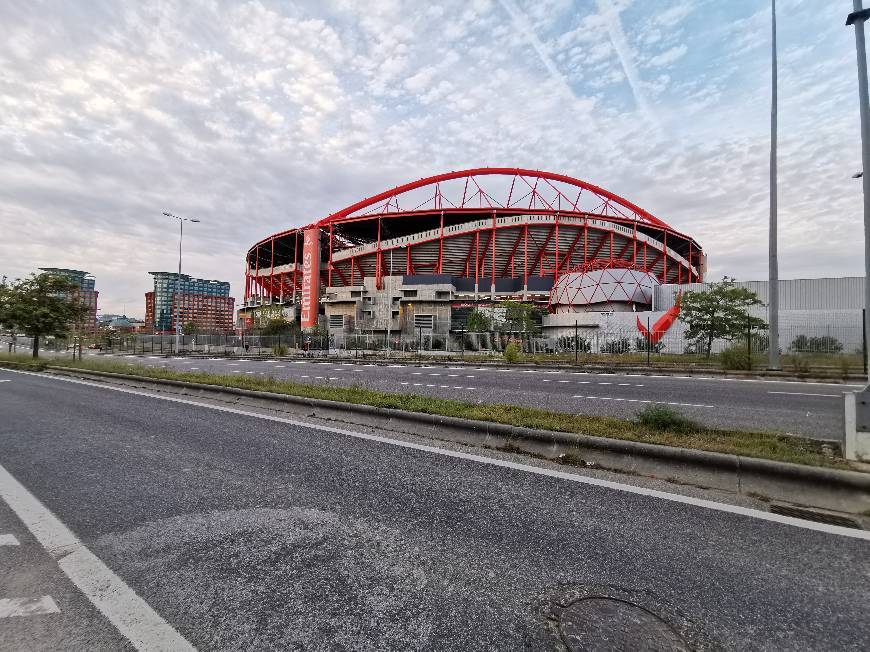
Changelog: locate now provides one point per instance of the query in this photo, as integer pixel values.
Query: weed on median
(655, 425)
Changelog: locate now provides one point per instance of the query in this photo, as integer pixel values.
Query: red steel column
(311, 277)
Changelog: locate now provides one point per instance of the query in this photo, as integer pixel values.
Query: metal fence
(808, 340)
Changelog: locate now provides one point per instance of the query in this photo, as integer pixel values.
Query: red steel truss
(485, 224)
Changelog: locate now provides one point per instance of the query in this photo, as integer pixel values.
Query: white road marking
(563, 381)
(10, 607)
(8, 540)
(637, 400)
(194, 368)
(403, 383)
(469, 376)
(129, 613)
(5, 380)
(481, 459)
(305, 376)
(453, 375)
(546, 380)
(444, 386)
(232, 364)
(236, 371)
(280, 366)
(807, 394)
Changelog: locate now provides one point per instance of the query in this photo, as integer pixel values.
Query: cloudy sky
(257, 116)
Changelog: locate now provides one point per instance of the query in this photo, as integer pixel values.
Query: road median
(764, 465)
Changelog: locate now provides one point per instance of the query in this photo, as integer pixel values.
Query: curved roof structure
(484, 224)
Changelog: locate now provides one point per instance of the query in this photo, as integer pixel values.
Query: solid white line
(562, 475)
(10, 607)
(8, 540)
(807, 394)
(129, 613)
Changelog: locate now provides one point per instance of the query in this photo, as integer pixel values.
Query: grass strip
(765, 445)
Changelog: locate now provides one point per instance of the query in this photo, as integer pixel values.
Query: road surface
(238, 531)
(809, 409)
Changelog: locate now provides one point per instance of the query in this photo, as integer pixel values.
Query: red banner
(310, 277)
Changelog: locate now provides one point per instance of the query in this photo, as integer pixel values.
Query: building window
(408, 294)
(426, 322)
(336, 321)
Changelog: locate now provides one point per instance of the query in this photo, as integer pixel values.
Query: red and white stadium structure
(493, 233)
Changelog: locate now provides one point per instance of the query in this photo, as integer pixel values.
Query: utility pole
(857, 18)
(773, 275)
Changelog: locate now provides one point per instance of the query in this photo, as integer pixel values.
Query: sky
(256, 116)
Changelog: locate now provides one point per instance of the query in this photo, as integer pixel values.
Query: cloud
(667, 57)
(258, 116)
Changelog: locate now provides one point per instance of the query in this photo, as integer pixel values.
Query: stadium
(424, 253)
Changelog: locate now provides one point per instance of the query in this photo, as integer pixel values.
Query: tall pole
(773, 275)
(181, 221)
(857, 18)
(177, 293)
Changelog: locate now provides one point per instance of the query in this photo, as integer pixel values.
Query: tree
(520, 316)
(190, 328)
(721, 312)
(478, 322)
(41, 304)
(278, 326)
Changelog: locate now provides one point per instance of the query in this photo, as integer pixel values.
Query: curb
(834, 489)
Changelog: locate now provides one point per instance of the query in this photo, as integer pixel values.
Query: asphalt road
(244, 532)
(809, 409)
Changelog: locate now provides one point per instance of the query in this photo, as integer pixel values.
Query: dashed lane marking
(637, 400)
(807, 394)
(5, 380)
(11, 607)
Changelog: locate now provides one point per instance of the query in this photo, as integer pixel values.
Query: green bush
(823, 344)
(622, 345)
(735, 357)
(664, 417)
(511, 353)
(279, 349)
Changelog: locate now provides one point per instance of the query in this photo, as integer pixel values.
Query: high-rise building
(205, 303)
(85, 292)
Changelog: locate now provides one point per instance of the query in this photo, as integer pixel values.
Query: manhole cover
(599, 624)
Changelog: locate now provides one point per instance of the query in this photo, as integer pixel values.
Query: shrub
(622, 345)
(735, 357)
(279, 349)
(823, 344)
(641, 344)
(664, 417)
(511, 353)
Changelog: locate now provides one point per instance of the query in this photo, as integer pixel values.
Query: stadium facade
(423, 254)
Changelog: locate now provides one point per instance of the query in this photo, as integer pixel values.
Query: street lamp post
(857, 18)
(181, 221)
(856, 443)
(773, 262)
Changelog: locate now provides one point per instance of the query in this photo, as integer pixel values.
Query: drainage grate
(814, 515)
